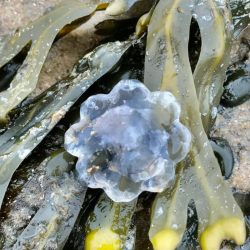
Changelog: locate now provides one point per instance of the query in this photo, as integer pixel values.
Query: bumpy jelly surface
(128, 141)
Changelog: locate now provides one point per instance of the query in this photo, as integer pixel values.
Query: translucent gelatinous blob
(128, 141)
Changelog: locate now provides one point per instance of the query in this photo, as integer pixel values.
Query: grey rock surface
(64, 52)
(233, 124)
(18, 13)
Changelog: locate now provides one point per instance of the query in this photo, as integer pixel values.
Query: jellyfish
(128, 141)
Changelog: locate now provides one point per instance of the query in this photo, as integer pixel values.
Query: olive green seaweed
(108, 224)
(240, 13)
(34, 124)
(142, 24)
(41, 34)
(213, 17)
(167, 67)
(53, 222)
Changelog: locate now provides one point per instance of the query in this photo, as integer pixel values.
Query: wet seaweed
(52, 223)
(198, 179)
(9, 70)
(167, 67)
(109, 223)
(240, 13)
(130, 67)
(32, 126)
(41, 34)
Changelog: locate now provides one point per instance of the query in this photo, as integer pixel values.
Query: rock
(233, 124)
(18, 13)
(66, 51)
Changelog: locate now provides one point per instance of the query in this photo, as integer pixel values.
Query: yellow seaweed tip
(142, 24)
(102, 239)
(117, 7)
(102, 6)
(224, 229)
(167, 239)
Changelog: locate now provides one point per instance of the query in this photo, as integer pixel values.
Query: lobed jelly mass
(128, 141)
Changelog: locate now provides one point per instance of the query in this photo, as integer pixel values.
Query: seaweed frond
(41, 35)
(41, 116)
(199, 178)
(108, 225)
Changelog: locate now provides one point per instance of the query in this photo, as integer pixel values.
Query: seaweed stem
(199, 178)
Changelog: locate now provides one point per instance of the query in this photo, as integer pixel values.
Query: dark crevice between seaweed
(236, 92)
(77, 237)
(9, 70)
(194, 45)
(190, 237)
(116, 27)
(142, 222)
(237, 70)
(237, 84)
(224, 155)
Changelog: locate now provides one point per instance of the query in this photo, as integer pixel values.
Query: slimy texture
(128, 141)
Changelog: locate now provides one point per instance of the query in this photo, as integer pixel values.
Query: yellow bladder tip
(166, 239)
(102, 239)
(142, 24)
(224, 229)
(102, 6)
(117, 7)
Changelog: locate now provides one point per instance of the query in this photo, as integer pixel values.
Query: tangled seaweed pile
(58, 213)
